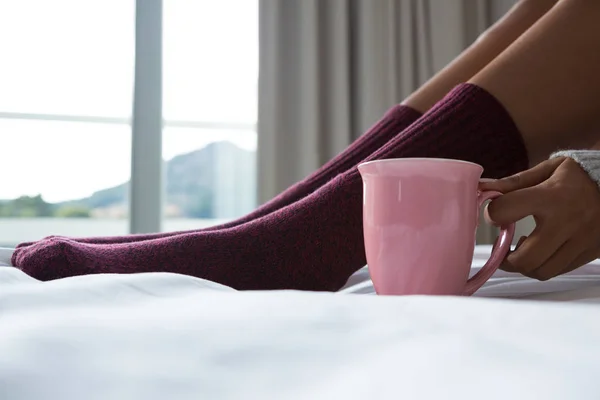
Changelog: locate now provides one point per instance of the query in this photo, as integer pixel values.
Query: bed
(168, 336)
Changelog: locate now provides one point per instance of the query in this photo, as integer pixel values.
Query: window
(210, 110)
(65, 106)
(67, 81)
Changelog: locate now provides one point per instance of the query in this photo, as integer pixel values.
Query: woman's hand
(565, 204)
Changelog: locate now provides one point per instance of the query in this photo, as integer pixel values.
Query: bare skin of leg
(548, 79)
(489, 45)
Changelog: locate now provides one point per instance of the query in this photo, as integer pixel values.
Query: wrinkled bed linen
(163, 336)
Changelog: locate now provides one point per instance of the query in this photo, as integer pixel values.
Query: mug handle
(499, 251)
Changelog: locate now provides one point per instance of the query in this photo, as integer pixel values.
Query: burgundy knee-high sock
(315, 243)
(395, 120)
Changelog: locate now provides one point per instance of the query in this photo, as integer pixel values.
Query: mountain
(202, 184)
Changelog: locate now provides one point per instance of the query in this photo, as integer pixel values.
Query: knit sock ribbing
(315, 243)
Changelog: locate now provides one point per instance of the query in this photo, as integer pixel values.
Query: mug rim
(407, 159)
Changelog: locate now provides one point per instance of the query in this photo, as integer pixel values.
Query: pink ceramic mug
(420, 216)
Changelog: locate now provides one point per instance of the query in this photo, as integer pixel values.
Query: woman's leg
(317, 242)
(549, 79)
(487, 47)
(465, 66)
(313, 244)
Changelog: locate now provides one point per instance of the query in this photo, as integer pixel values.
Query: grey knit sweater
(589, 160)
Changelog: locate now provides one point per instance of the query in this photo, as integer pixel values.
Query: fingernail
(487, 180)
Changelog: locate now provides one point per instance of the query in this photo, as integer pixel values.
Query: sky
(75, 57)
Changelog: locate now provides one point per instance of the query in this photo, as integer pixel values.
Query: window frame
(147, 188)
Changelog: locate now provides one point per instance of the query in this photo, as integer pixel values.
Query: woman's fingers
(565, 203)
(584, 258)
(514, 206)
(559, 261)
(525, 179)
(537, 249)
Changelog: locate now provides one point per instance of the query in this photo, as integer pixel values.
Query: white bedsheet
(167, 336)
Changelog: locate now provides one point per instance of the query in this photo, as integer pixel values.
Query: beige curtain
(331, 68)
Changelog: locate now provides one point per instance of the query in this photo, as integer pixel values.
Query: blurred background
(119, 116)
